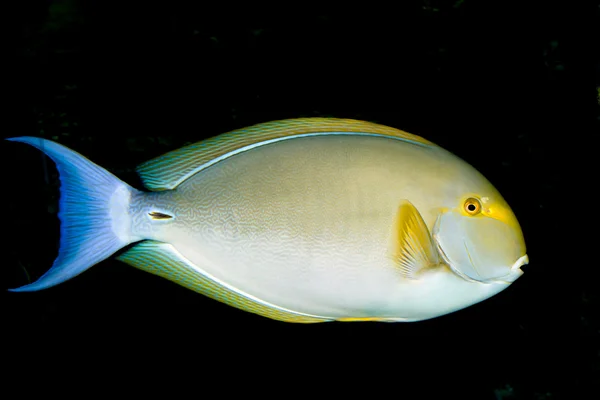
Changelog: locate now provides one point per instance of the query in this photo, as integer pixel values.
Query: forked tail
(93, 212)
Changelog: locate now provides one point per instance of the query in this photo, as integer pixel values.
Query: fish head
(478, 235)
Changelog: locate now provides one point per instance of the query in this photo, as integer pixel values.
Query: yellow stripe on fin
(169, 170)
(374, 319)
(361, 319)
(164, 260)
(413, 249)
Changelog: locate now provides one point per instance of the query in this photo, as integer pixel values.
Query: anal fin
(164, 260)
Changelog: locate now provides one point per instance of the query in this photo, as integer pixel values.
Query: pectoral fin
(413, 249)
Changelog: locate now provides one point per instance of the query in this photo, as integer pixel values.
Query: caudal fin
(93, 213)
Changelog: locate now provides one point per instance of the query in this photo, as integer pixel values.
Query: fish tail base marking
(93, 213)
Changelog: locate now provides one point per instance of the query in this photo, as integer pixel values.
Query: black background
(122, 82)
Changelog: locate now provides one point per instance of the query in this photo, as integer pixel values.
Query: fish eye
(472, 206)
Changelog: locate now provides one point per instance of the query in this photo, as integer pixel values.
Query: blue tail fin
(93, 213)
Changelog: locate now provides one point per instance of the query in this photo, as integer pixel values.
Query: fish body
(304, 220)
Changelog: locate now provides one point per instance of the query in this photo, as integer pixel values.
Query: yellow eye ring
(472, 206)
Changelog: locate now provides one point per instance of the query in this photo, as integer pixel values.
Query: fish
(302, 220)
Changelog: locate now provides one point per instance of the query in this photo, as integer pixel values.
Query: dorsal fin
(169, 170)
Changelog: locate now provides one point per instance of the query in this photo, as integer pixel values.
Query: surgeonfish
(301, 220)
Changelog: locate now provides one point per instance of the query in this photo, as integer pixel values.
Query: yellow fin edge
(361, 319)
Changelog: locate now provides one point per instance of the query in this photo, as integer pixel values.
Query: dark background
(497, 83)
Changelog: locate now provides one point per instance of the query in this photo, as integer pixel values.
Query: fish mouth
(515, 271)
(524, 260)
